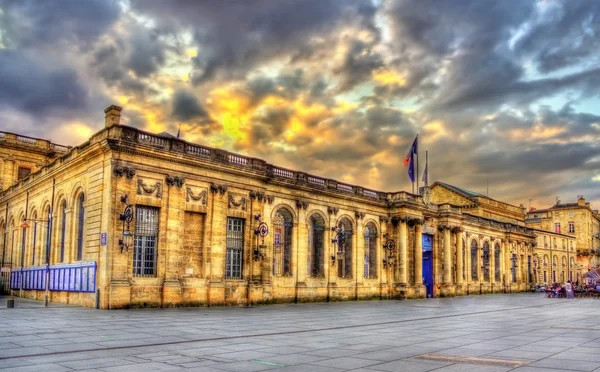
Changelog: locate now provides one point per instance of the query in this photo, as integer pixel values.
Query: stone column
(467, 262)
(459, 257)
(402, 252)
(418, 254)
(447, 257)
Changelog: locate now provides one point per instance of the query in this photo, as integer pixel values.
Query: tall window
(23, 240)
(48, 235)
(282, 245)
(235, 248)
(474, 259)
(464, 258)
(571, 227)
(63, 230)
(371, 251)
(545, 241)
(514, 264)
(34, 240)
(316, 244)
(145, 241)
(344, 261)
(486, 261)
(80, 219)
(497, 262)
(557, 227)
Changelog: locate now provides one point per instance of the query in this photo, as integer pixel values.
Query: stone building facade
(579, 222)
(135, 219)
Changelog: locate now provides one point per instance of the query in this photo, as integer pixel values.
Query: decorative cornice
(174, 181)
(121, 171)
(457, 229)
(261, 196)
(214, 188)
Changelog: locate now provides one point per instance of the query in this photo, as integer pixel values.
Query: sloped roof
(461, 191)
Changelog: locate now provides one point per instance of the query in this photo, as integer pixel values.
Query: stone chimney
(581, 201)
(113, 115)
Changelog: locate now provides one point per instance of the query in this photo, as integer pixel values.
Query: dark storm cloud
(565, 33)
(186, 106)
(358, 65)
(234, 37)
(39, 22)
(30, 87)
(147, 53)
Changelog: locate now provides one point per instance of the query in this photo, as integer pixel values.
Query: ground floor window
(235, 248)
(145, 239)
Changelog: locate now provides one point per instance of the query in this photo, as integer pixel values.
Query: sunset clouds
(502, 93)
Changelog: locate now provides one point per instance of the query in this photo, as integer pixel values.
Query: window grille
(282, 247)
(34, 240)
(145, 241)
(235, 248)
(316, 242)
(474, 260)
(371, 251)
(486, 261)
(63, 231)
(571, 227)
(497, 262)
(345, 261)
(80, 228)
(23, 173)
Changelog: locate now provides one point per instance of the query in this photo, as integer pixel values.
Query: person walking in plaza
(569, 289)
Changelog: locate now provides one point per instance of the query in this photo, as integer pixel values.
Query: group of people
(557, 290)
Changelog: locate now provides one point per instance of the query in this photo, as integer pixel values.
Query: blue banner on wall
(77, 277)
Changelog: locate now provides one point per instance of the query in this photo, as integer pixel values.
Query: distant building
(576, 220)
(135, 219)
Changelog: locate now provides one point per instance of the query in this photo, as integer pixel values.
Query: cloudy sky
(501, 93)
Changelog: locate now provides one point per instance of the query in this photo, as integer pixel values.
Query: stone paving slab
(371, 336)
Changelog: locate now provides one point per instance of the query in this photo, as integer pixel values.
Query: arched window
(370, 250)
(80, 223)
(486, 261)
(464, 259)
(34, 238)
(474, 248)
(497, 262)
(63, 230)
(344, 251)
(316, 244)
(282, 245)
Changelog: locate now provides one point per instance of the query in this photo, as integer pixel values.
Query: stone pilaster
(418, 254)
(402, 256)
(459, 257)
(447, 257)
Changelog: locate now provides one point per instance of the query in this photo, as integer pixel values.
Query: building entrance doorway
(428, 264)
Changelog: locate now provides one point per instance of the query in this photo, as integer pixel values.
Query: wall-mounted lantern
(389, 260)
(260, 250)
(126, 240)
(340, 240)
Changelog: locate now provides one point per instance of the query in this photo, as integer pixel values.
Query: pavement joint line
(271, 333)
(473, 360)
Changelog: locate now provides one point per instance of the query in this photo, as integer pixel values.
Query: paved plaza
(519, 332)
